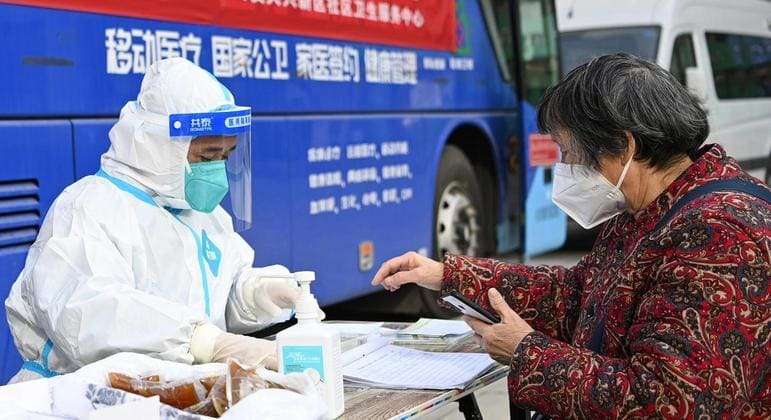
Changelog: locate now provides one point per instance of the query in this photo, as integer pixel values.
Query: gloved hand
(267, 292)
(247, 350)
(211, 344)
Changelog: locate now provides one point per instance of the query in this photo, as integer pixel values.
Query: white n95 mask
(585, 195)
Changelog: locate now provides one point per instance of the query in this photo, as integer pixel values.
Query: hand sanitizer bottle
(311, 346)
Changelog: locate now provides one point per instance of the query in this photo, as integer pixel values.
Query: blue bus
(362, 148)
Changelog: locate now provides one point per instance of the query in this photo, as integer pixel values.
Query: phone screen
(467, 307)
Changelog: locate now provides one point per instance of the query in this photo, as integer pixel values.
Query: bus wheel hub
(457, 222)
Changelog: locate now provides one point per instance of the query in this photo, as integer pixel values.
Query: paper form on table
(383, 365)
(355, 328)
(437, 327)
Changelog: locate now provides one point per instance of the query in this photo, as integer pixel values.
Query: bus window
(538, 44)
(498, 18)
(741, 65)
(682, 57)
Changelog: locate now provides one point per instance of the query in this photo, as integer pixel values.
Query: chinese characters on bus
(325, 62)
(242, 57)
(394, 67)
(132, 51)
(373, 177)
(383, 12)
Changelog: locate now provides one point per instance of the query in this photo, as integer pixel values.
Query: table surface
(378, 403)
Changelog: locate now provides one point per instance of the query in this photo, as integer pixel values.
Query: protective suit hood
(141, 151)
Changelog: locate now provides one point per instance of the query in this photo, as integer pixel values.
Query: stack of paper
(437, 327)
(355, 328)
(383, 365)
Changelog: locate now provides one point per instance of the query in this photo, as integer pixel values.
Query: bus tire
(459, 218)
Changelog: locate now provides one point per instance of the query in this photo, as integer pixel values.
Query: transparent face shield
(219, 158)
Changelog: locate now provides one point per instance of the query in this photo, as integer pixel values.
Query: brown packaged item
(241, 382)
(209, 381)
(218, 395)
(179, 394)
(204, 408)
(210, 396)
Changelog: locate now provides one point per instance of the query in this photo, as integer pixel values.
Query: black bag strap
(598, 334)
(723, 185)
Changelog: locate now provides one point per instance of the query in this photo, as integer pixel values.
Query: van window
(578, 47)
(741, 65)
(682, 57)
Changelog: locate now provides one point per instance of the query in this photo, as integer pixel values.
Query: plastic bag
(242, 381)
(204, 408)
(278, 404)
(218, 396)
(139, 365)
(210, 395)
(179, 394)
(212, 389)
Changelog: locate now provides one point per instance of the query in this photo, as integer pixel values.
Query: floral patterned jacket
(683, 314)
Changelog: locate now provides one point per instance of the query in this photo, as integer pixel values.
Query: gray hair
(599, 101)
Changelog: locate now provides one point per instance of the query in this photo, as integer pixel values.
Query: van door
(739, 86)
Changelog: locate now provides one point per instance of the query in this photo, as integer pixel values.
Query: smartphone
(467, 307)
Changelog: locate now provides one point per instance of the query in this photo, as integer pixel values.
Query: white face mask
(585, 195)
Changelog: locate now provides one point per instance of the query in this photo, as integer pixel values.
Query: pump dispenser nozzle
(312, 346)
(306, 308)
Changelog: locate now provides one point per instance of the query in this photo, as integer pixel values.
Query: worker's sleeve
(240, 314)
(698, 345)
(82, 293)
(547, 297)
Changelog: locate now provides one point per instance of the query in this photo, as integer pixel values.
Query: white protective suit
(113, 269)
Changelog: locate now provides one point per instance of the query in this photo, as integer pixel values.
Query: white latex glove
(269, 291)
(211, 344)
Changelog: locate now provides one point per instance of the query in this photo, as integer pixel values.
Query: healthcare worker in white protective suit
(140, 257)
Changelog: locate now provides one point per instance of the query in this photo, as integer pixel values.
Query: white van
(720, 49)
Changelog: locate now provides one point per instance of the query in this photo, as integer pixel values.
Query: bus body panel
(388, 216)
(545, 224)
(37, 165)
(67, 64)
(90, 140)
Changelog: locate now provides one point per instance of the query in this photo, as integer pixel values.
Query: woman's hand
(500, 340)
(409, 268)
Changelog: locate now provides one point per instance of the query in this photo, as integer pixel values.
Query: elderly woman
(668, 315)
